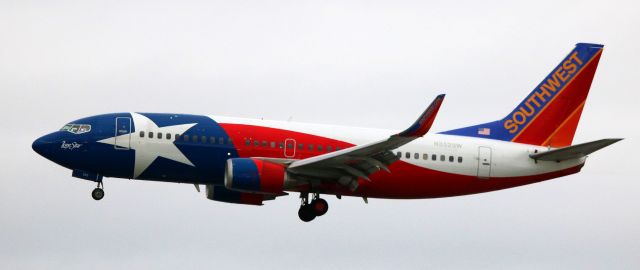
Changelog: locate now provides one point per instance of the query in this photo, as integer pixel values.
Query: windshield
(76, 128)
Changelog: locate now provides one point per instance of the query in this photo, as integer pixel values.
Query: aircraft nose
(40, 146)
(44, 145)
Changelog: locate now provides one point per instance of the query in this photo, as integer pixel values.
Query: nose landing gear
(310, 210)
(98, 193)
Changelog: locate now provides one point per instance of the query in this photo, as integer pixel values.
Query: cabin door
(123, 133)
(289, 148)
(484, 162)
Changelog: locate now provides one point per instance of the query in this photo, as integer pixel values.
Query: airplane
(250, 161)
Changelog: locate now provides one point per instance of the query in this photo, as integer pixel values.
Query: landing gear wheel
(320, 206)
(306, 213)
(97, 194)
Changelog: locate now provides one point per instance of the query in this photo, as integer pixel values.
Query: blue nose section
(46, 145)
(41, 146)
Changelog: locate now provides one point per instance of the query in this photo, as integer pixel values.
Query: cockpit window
(76, 128)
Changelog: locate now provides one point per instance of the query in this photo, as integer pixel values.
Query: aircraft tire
(97, 194)
(306, 213)
(320, 206)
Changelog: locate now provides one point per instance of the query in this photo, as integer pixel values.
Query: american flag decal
(484, 131)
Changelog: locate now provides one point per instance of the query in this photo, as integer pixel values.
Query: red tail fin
(550, 114)
(556, 123)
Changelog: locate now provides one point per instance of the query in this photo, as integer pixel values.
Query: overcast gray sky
(358, 63)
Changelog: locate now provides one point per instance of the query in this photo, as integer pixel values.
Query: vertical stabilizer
(549, 115)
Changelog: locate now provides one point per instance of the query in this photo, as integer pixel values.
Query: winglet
(424, 122)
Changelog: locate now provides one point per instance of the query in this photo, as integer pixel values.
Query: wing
(347, 165)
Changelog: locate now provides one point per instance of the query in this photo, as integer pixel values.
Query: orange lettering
(509, 125)
(531, 109)
(562, 74)
(533, 99)
(552, 83)
(541, 95)
(569, 67)
(522, 119)
(574, 56)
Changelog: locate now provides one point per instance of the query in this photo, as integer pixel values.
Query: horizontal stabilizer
(575, 151)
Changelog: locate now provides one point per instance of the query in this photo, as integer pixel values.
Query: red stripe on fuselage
(241, 133)
(406, 181)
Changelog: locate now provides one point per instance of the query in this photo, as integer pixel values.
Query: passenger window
(151, 135)
(256, 143)
(416, 156)
(329, 148)
(442, 157)
(459, 159)
(300, 146)
(310, 147)
(168, 136)
(337, 148)
(247, 142)
(407, 155)
(177, 137)
(159, 135)
(185, 138)
(289, 146)
(264, 143)
(203, 139)
(399, 154)
(194, 138)
(141, 134)
(281, 144)
(273, 144)
(319, 147)
(434, 157)
(425, 156)
(450, 158)
(212, 140)
(221, 140)
(229, 141)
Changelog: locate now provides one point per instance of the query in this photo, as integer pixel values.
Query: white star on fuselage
(149, 149)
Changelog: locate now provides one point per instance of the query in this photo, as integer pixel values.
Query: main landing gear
(98, 193)
(310, 210)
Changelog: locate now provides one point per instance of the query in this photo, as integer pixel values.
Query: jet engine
(255, 176)
(222, 194)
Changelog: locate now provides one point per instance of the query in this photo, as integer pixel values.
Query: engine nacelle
(221, 194)
(255, 176)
